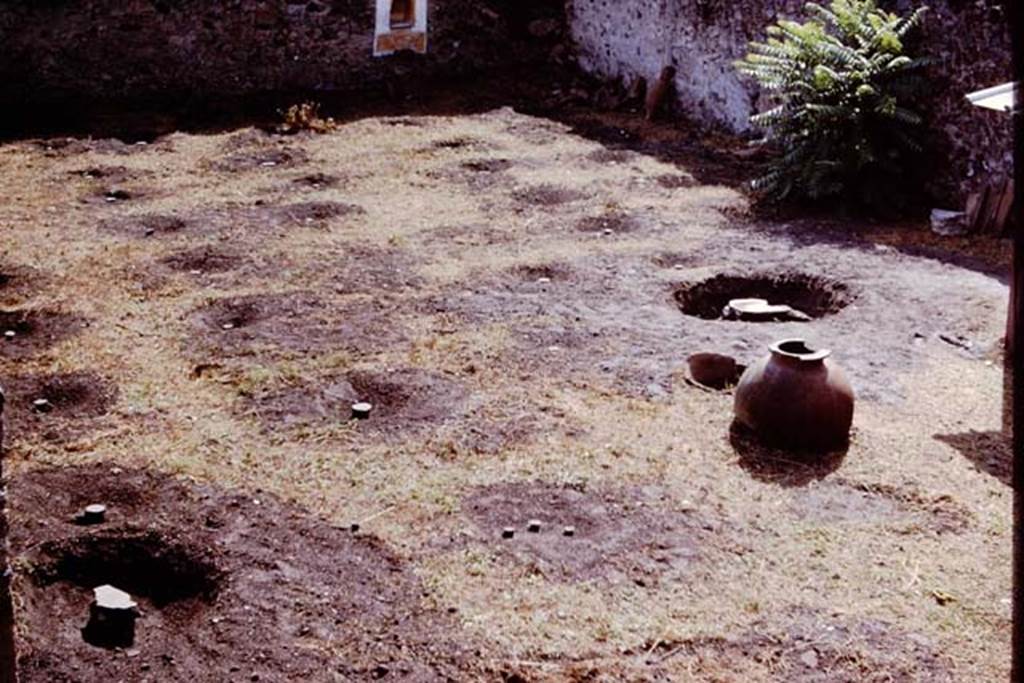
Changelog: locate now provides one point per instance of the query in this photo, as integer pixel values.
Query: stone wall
(970, 38)
(124, 49)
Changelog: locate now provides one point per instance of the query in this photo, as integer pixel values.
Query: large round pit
(811, 294)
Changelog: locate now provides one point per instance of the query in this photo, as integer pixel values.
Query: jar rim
(798, 349)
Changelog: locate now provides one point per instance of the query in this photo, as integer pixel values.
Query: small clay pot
(796, 398)
(714, 370)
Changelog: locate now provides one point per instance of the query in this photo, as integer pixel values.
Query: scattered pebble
(42, 405)
(810, 659)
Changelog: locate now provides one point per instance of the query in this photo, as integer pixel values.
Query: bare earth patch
(231, 586)
(73, 401)
(295, 321)
(29, 331)
(403, 399)
(615, 535)
(453, 270)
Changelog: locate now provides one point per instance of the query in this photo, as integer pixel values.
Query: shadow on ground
(989, 452)
(784, 468)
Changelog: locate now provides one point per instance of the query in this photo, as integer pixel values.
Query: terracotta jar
(796, 398)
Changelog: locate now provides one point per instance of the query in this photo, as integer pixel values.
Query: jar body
(796, 399)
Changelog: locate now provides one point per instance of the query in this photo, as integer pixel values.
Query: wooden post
(1015, 363)
(8, 658)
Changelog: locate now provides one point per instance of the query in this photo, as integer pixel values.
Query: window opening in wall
(403, 13)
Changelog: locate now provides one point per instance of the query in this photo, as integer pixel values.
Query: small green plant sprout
(843, 123)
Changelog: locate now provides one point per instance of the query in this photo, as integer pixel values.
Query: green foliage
(844, 123)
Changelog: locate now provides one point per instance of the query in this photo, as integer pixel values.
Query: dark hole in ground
(546, 195)
(144, 563)
(247, 584)
(118, 194)
(814, 295)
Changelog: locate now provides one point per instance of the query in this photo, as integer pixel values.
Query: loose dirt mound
(617, 535)
(673, 181)
(487, 165)
(559, 272)
(478, 174)
(317, 181)
(403, 399)
(73, 401)
(109, 194)
(811, 648)
(296, 321)
(254, 149)
(231, 586)
(34, 331)
(309, 212)
(202, 260)
(546, 195)
(458, 143)
(113, 175)
(146, 225)
(609, 222)
(814, 295)
(368, 270)
(613, 156)
(17, 282)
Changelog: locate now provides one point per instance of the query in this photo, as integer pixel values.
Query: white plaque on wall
(401, 25)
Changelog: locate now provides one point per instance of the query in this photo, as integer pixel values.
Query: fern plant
(843, 123)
